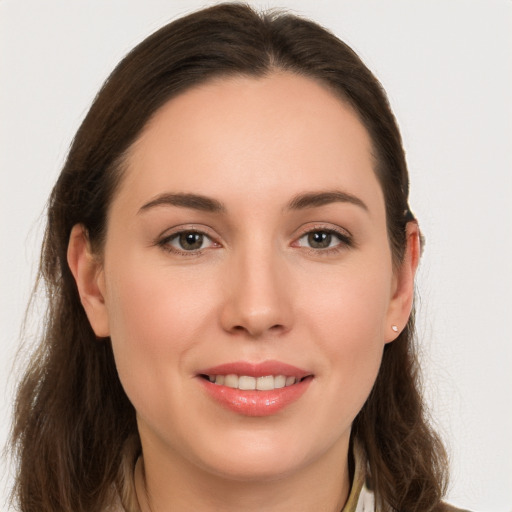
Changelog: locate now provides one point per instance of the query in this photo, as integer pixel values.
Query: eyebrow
(316, 199)
(207, 204)
(194, 201)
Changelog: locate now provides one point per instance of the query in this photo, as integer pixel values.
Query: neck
(319, 487)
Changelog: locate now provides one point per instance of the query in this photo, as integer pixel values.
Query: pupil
(319, 239)
(191, 241)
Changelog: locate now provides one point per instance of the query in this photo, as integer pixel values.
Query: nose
(257, 295)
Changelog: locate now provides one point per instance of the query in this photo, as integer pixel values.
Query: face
(246, 280)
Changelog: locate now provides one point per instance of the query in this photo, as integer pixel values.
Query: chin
(263, 469)
(257, 458)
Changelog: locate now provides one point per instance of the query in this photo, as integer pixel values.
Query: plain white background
(447, 68)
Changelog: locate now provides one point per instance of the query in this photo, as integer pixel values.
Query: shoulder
(445, 507)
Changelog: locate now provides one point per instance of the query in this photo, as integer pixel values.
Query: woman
(230, 261)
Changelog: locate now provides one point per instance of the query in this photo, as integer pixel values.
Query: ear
(403, 285)
(87, 270)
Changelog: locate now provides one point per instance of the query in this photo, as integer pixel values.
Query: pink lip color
(254, 402)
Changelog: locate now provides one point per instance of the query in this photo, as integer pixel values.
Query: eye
(187, 241)
(322, 239)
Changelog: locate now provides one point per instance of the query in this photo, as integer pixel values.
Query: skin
(256, 291)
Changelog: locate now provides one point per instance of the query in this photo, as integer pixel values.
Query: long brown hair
(75, 434)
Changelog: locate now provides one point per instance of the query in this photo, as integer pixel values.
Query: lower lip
(253, 402)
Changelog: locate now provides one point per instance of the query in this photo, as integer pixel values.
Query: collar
(360, 499)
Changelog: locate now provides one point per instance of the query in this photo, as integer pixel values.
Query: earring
(395, 328)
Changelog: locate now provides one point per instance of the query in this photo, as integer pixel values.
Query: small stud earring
(395, 328)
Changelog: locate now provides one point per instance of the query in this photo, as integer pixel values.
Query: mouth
(250, 383)
(255, 389)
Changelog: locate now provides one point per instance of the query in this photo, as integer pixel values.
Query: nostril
(258, 331)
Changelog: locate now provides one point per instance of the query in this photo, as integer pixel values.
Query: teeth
(265, 383)
(279, 381)
(231, 381)
(247, 383)
(290, 381)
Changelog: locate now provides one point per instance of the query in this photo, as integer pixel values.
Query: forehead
(245, 134)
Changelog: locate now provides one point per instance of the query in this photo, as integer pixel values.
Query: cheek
(346, 315)
(152, 305)
(155, 320)
(348, 304)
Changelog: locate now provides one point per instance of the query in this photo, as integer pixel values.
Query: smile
(255, 389)
(249, 383)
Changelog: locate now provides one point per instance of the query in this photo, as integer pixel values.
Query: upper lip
(256, 369)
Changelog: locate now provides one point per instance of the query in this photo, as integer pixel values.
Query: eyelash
(165, 243)
(344, 241)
